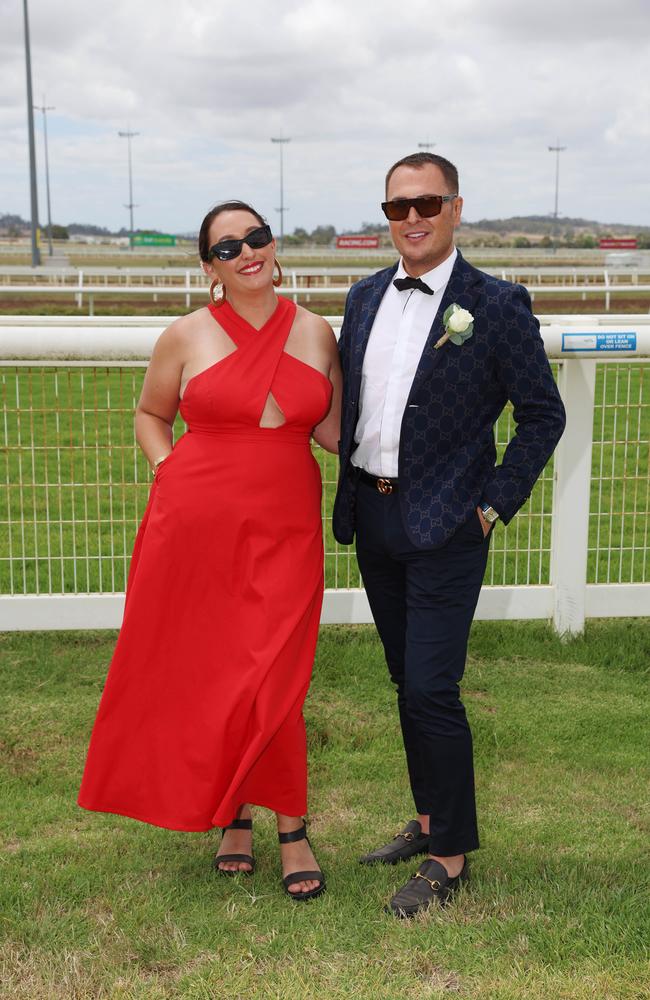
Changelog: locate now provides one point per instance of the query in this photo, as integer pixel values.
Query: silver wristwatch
(489, 513)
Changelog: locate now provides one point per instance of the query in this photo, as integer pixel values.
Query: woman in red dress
(201, 716)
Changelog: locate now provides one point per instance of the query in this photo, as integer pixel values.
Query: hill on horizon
(544, 225)
(524, 225)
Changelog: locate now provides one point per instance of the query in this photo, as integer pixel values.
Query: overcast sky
(355, 84)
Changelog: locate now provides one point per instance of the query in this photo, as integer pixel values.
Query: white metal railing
(73, 485)
(193, 286)
(115, 338)
(77, 322)
(149, 275)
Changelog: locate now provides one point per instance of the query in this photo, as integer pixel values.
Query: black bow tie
(402, 284)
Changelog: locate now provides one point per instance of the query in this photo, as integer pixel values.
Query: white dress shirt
(395, 346)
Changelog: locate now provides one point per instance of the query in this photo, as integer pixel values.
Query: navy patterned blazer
(447, 455)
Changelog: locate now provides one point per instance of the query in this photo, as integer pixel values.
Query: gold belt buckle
(384, 486)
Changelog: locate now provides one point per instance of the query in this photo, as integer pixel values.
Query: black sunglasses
(229, 249)
(426, 206)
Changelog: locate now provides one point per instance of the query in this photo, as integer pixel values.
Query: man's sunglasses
(426, 206)
(229, 249)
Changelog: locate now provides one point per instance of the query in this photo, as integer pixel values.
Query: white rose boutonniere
(458, 324)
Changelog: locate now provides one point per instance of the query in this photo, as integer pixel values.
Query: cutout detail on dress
(271, 413)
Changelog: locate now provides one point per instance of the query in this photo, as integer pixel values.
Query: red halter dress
(202, 709)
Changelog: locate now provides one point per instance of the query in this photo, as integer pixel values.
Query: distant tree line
(15, 226)
(517, 231)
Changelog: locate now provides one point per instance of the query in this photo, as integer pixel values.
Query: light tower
(128, 135)
(557, 149)
(36, 254)
(45, 108)
(281, 140)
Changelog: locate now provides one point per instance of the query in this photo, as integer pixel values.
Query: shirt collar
(438, 276)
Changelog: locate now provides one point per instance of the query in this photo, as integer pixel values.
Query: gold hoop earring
(217, 300)
(277, 281)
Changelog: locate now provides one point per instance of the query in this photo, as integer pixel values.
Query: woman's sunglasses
(426, 206)
(229, 249)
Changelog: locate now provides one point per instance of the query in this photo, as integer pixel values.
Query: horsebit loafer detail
(430, 883)
(404, 845)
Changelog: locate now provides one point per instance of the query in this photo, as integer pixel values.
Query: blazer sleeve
(525, 375)
(345, 333)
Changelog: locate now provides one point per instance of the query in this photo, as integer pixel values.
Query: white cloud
(355, 86)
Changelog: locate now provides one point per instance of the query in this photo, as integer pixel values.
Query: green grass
(99, 906)
(187, 256)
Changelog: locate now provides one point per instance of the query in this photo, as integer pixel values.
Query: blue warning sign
(576, 342)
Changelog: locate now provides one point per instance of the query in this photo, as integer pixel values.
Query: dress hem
(167, 825)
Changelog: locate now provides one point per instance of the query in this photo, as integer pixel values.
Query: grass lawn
(97, 906)
(186, 255)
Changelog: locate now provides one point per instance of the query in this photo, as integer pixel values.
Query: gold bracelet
(157, 462)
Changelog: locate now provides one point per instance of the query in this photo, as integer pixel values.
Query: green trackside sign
(154, 240)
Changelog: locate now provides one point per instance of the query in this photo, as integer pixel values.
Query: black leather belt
(381, 483)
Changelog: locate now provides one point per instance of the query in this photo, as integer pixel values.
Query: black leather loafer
(430, 885)
(406, 844)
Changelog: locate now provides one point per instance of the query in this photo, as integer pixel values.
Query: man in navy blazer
(432, 350)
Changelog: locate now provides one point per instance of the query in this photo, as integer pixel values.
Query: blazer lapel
(462, 288)
(367, 312)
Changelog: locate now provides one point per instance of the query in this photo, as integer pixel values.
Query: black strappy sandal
(237, 824)
(290, 838)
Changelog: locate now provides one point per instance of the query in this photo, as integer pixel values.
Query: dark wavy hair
(419, 160)
(224, 206)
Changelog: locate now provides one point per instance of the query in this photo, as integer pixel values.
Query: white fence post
(570, 526)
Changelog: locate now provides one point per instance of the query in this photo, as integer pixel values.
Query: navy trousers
(423, 602)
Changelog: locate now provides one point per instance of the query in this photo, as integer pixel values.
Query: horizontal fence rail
(148, 276)
(74, 485)
(299, 288)
(159, 323)
(55, 338)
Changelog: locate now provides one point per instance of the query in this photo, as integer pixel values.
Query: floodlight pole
(45, 108)
(557, 149)
(36, 254)
(281, 140)
(128, 135)
(426, 145)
